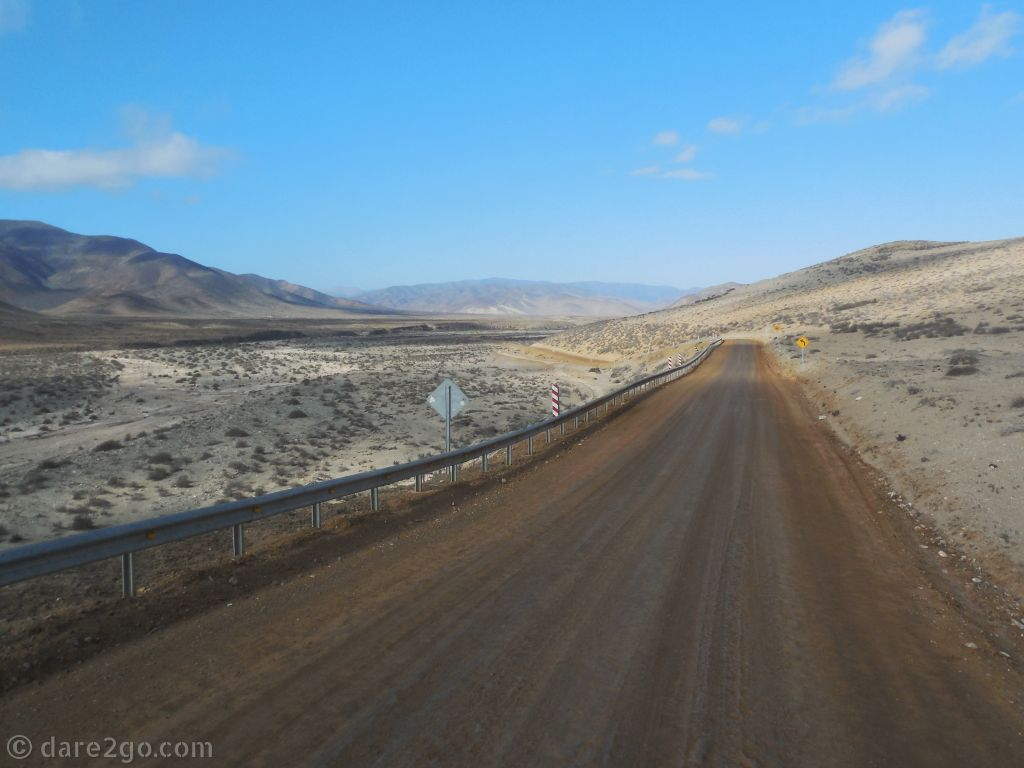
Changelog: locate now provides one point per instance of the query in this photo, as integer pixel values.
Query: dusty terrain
(916, 358)
(96, 438)
(706, 578)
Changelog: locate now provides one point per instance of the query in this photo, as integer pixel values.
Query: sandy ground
(96, 438)
(916, 358)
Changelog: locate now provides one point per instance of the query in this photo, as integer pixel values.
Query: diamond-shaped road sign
(438, 399)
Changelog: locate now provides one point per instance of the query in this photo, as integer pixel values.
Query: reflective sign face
(801, 341)
(438, 399)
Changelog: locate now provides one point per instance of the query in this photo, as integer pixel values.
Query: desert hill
(501, 296)
(47, 269)
(916, 359)
(901, 284)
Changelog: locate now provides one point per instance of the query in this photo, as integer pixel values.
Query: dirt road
(708, 579)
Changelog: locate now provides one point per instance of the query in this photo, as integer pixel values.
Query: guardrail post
(547, 435)
(375, 499)
(455, 473)
(575, 422)
(419, 483)
(315, 515)
(562, 427)
(127, 575)
(508, 455)
(529, 445)
(238, 540)
(483, 462)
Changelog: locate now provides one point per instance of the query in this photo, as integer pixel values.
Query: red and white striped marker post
(555, 404)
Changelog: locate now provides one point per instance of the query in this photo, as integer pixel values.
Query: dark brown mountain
(47, 269)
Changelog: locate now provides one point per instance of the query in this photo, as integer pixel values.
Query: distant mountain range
(47, 269)
(501, 296)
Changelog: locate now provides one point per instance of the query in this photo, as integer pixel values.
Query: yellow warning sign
(801, 341)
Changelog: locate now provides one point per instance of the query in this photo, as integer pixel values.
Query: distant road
(707, 580)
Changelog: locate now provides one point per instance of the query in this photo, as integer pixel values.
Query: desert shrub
(853, 305)
(183, 481)
(163, 457)
(936, 328)
(962, 362)
(108, 445)
(297, 414)
(236, 432)
(158, 473)
(1018, 402)
(82, 523)
(52, 464)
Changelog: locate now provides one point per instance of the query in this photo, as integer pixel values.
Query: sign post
(803, 343)
(448, 400)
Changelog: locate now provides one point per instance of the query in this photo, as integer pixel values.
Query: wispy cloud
(157, 152)
(686, 174)
(665, 139)
(900, 96)
(895, 47)
(13, 15)
(681, 174)
(687, 154)
(725, 125)
(989, 36)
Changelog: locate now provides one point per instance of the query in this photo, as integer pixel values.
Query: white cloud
(170, 155)
(728, 125)
(665, 139)
(687, 154)
(894, 48)
(989, 36)
(686, 174)
(13, 15)
(813, 115)
(894, 98)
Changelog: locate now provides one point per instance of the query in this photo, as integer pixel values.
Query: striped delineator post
(555, 403)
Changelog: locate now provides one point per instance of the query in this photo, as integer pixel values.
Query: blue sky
(371, 144)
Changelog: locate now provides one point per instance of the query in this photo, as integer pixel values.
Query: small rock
(976, 580)
(900, 438)
(233, 581)
(972, 646)
(942, 554)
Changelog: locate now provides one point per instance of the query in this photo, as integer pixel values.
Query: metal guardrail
(45, 557)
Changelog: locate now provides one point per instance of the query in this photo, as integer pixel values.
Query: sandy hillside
(917, 358)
